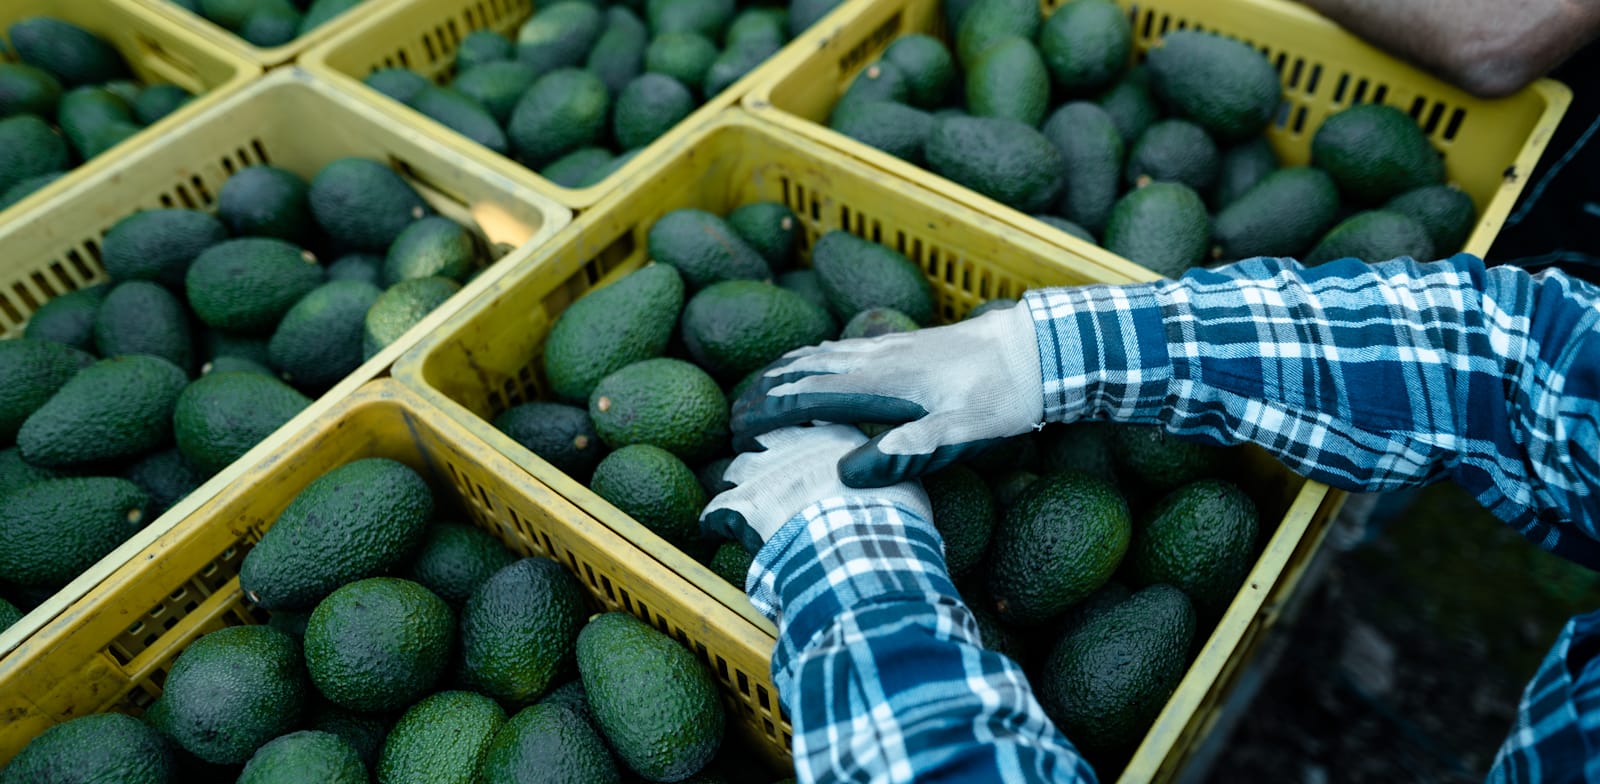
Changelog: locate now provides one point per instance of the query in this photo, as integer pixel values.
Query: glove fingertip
(866, 467)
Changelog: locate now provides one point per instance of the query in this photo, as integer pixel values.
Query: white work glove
(952, 390)
(796, 468)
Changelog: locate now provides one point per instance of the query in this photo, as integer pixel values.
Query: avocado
(320, 12)
(1107, 597)
(1375, 153)
(72, 54)
(454, 559)
(654, 487)
(378, 644)
(572, 169)
(481, 47)
(1224, 86)
(140, 317)
(1131, 105)
(561, 434)
(964, 513)
(988, 21)
(1064, 537)
(1105, 683)
(93, 119)
(1003, 159)
(114, 409)
(221, 416)
(363, 732)
(156, 101)
(231, 691)
(246, 285)
(1082, 447)
(878, 82)
(399, 83)
(159, 245)
(266, 201)
(22, 190)
(731, 562)
(704, 249)
(399, 309)
(108, 747)
(1373, 236)
(1281, 216)
(612, 327)
(1067, 227)
(1009, 80)
(25, 89)
(272, 23)
(68, 320)
(1158, 461)
(549, 743)
(663, 402)
(461, 113)
(434, 246)
(564, 110)
(736, 61)
(894, 128)
(519, 629)
(52, 530)
(29, 148)
(766, 24)
(684, 56)
(216, 344)
(1240, 168)
(807, 284)
(318, 341)
(302, 756)
(600, 173)
(805, 13)
(928, 69)
(360, 519)
(1093, 151)
(16, 473)
(441, 740)
(1200, 540)
(167, 477)
(618, 55)
(1445, 211)
(857, 275)
(1086, 45)
(1163, 226)
(363, 204)
(656, 705)
(709, 18)
(769, 227)
(738, 326)
(1174, 151)
(559, 35)
(648, 107)
(34, 371)
(873, 322)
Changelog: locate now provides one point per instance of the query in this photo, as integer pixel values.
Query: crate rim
(1268, 576)
(263, 58)
(556, 220)
(793, 53)
(1556, 96)
(245, 72)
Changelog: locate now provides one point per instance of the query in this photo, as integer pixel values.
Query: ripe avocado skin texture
(51, 531)
(455, 558)
(355, 521)
(1003, 159)
(663, 402)
(221, 416)
(1106, 682)
(1062, 539)
(1375, 152)
(857, 275)
(304, 756)
(738, 326)
(378, 644)
(441, 740)
(1223, 85)
(1281, 216)
(110, 747)
(1163, 226)
(651, 698)
(561, 434)
(265, 678)
(654, 487)
(519, 629)
(549, 743)
(34, 371)
(612, 327)
(114, 409)
(1373, 236)
(1199, 539)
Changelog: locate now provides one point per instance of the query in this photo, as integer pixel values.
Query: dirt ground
(1409, 659)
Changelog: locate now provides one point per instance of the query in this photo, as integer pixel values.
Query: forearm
(880, 665)
(1488, 47)
(1366, 377)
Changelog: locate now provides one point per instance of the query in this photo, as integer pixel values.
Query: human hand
(796, 467)
(952, 390)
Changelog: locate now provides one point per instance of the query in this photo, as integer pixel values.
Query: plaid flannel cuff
(1102, 351)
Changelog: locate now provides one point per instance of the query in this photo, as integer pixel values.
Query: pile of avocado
(213, 332)
(403, 648)
(68, 97)
(268, 23)
(585, 86)
(1163, 163)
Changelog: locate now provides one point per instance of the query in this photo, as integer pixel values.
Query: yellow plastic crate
(287, 119)
(113, 650)
(265, 58)
(1489, 147)
(156, 50)
(423, 35)
(488, 357)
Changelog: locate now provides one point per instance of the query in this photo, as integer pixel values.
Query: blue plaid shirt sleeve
(880, 666)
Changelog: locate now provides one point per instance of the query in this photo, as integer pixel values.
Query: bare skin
(1490, 48)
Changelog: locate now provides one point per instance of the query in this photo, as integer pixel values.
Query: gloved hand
(797, 467)
(953, 390)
